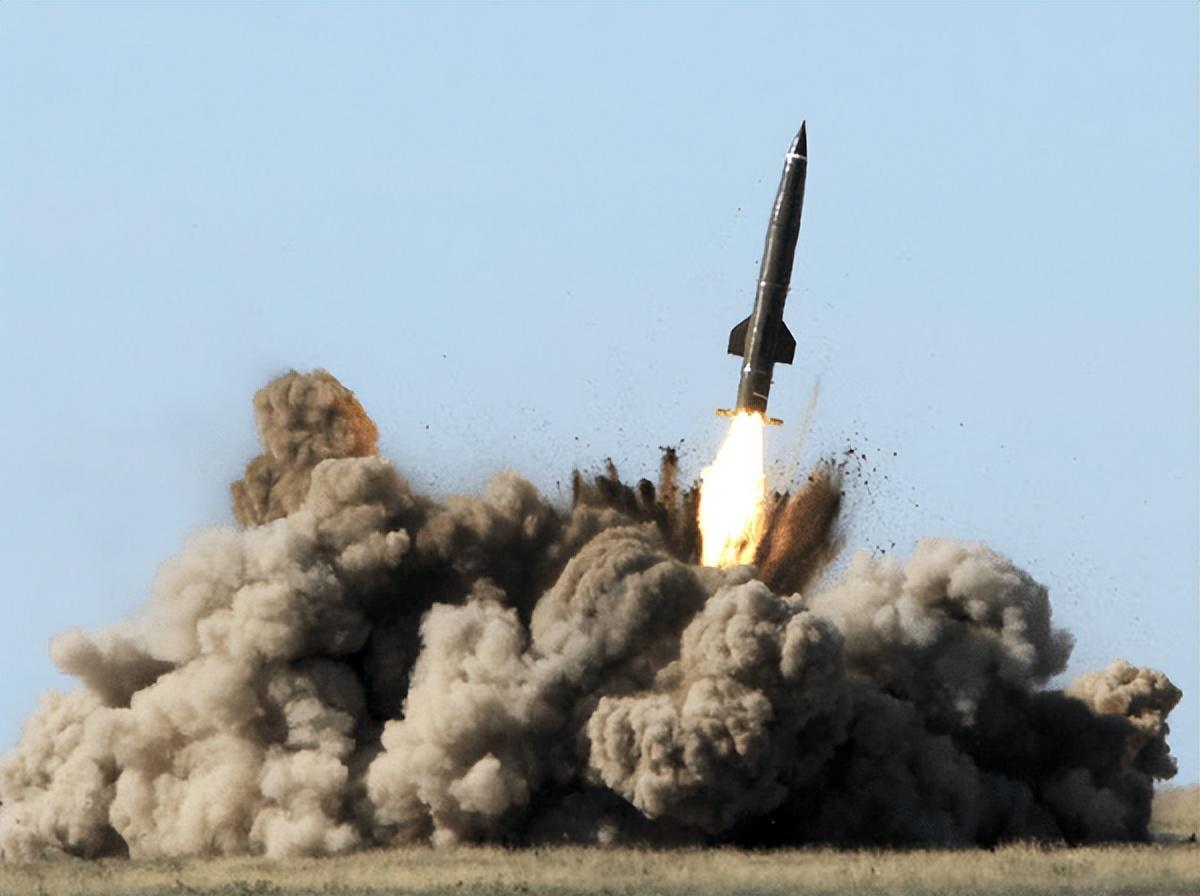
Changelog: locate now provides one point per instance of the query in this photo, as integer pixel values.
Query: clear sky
(522, 233)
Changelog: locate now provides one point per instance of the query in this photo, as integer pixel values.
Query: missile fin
(785, 345)
(737, 339)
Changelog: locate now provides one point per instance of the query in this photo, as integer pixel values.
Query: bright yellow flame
(733, 496)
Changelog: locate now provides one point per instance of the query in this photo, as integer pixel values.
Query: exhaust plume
(357, 665)
(733, 495)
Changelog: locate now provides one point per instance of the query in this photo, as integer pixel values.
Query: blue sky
(522, 233)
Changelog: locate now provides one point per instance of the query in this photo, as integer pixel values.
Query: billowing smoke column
(360, 665)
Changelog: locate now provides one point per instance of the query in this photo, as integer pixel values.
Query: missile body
(763, 339)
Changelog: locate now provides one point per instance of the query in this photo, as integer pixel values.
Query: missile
(763, 339)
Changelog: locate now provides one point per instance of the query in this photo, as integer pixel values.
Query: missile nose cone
(799, 145)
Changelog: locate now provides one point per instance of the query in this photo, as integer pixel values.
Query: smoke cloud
(358, 665)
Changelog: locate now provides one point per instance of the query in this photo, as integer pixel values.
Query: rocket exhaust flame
(733, 495)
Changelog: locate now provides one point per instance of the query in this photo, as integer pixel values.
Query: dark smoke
(360, 665)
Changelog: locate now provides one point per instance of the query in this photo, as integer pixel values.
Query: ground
(1170, 866)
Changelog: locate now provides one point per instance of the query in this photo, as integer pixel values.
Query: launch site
(585, 448)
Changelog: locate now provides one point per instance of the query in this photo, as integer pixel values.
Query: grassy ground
(1021, 869)
(1176, 811)
(1013, 870)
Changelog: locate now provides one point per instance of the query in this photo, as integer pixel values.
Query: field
(1177, 812)
(1164, 868)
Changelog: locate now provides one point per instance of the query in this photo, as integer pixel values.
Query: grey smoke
(359, 665)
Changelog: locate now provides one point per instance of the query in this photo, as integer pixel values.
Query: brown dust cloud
(357, 665)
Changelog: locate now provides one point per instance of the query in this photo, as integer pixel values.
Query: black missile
(763, 338)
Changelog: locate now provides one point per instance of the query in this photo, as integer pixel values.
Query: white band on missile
(795, 155)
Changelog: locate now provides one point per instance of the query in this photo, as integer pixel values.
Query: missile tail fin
(785, 345)
(737, 338)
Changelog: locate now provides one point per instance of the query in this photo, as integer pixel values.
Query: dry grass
(1021, 869)
(1176, 811)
